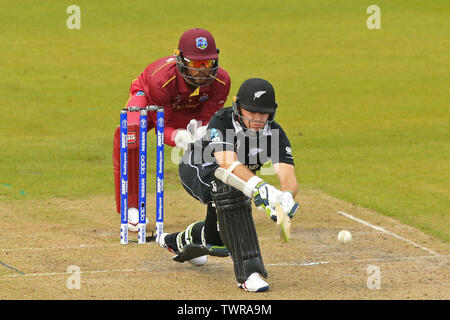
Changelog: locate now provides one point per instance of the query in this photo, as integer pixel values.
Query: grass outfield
(367, 111)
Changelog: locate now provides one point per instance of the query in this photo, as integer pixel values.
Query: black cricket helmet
(255, 95)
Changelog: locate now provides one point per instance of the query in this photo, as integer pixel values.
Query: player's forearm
(289, 184)
(243, 172)
(286, 176)
(228, 159)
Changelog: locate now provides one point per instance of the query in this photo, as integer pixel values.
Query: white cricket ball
(344, 236)
(133, 220)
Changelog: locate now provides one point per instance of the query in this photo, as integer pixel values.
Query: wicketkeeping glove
(195, 129)
(183, 138)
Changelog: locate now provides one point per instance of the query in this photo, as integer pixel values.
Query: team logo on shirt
(203, 98)
(254, 151)
(214, 133)
(201, 43)
(140, 93)
(289, 153)
(288, 150)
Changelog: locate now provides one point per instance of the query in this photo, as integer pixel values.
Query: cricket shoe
(197, 261)
(254, 283)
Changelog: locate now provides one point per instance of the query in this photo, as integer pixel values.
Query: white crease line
(71, 273)
(45, 274)
(392, 259)
(216, 263)
(387, 232)
(298, 264)
(80, 246)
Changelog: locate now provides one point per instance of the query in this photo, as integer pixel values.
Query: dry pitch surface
(42, 239)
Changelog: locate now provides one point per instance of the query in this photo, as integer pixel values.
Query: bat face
(283, 224)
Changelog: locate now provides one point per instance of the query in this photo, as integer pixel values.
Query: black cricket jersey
(224, 133)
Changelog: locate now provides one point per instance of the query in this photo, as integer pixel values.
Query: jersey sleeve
(216, 138)
(161, 97)
(285, 149)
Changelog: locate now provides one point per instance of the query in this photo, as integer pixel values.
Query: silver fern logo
(258, 94)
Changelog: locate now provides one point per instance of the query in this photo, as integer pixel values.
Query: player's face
(199, 70)
(254, 120)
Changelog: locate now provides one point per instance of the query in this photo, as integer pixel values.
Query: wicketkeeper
(190, 85)
(239, 139)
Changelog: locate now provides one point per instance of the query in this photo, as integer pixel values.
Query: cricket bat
(283, 223)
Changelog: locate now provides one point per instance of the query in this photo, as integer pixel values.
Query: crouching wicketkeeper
(239, 139)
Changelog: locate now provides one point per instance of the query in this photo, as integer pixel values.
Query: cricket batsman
(191, 86)
(239, 140)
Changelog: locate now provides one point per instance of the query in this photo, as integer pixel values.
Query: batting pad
(237, 230)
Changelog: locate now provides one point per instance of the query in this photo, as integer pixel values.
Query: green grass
(367, 111)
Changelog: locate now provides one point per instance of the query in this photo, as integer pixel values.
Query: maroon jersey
(162, 84)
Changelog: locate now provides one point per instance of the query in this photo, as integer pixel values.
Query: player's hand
(183, 138)
(288, 204)
(265, 196)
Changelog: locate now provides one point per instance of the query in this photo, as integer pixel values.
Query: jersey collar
(183, 88)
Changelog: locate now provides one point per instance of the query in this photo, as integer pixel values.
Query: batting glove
(288, 204)
(271, 212)
(265, 196)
